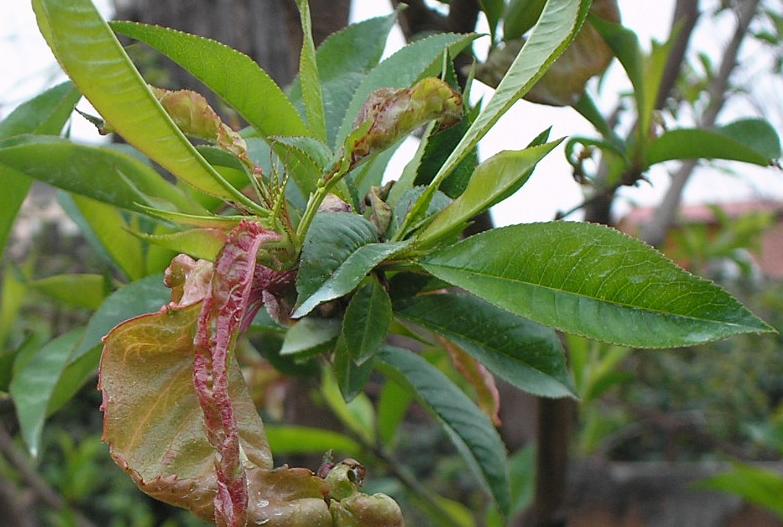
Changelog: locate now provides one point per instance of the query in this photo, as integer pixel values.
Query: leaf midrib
(618, 304)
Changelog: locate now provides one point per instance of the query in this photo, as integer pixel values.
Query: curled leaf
(192, 114)
(395, 113)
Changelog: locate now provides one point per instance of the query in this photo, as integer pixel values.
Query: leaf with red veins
(219, 324)
(152, 416)
(478, 376)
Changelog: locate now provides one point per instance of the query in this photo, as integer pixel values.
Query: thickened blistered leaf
(152, 416)
(195, 117)
(395, 113)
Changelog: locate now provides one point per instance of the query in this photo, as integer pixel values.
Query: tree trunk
(267, 30)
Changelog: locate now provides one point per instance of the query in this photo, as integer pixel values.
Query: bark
(665, 216)
(267, 30)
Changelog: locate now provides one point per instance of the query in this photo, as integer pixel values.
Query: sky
(27, 67)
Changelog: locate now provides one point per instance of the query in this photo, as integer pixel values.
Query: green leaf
(12, 297)
(393, 405)
(137, 298)
(33, 384)
(339, 250)
(351, 377)
(595, 282)
(111, 230)
(78, 290)
(92, 57)
(560, 21)
(401, 70)
(754, 485)
(343, 60)
(74, 377)
(520, 16)
(749, 140)
(310, 334)
(45, 114)
(493, 9)
(625, 45)
(470, 429)
(298, 440)
(226, 72)
(519, 351)
(103, 174)
(493, 181)
(308, 74)
(203, 243)
(367, 320)
(194, 220)
(358, 415)
(305, 158)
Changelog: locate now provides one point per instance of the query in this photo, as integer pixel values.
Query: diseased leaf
(493, 181)
(339, 250)
(595, 282)
(92, 57)
(487, 395)
(33, 383)
(366, 322)
(78, 290)
(287, 440)
(344, 58)
(308, 74)
(519, 351)
(469, 429)
(401, 70)
(137, 298)
(152, 416)
(396, 113)
(226, 72)
(749, 140)
(103, 174)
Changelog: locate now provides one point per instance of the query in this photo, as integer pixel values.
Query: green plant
(290, 215)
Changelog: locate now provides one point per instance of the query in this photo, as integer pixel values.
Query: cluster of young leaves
(290, 215)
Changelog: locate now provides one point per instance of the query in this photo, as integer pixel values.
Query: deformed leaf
(226, 72)
(137, 298)
(152, 416)
(401, 70)
(91, 55)
(595, 282)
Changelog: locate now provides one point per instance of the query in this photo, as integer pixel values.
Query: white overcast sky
(26, 67)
